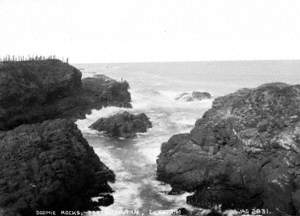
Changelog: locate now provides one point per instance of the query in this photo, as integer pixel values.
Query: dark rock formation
(188, 97)
(123, 124)
(49, 166)
(31, 92)
(243, 153)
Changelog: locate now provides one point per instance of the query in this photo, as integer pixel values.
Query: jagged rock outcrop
(49, 166)
(193, 96)
(243, 153)
(33, 91)
(123, 124)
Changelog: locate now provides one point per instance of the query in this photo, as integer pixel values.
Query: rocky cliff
(34, 91)
(45, 163)
(49, 166)
(243, 153)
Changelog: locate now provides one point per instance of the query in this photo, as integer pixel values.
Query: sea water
(154, 87)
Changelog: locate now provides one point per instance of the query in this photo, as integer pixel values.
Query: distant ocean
(154, 87)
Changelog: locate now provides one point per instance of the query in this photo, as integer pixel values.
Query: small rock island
(193, 96)
(123, 124)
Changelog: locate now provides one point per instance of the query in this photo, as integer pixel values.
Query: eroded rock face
(243, 153)
(34, 91)
(49, 166)
(194, 96)
(123, 124)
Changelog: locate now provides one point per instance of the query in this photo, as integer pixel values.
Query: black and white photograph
(150, 108)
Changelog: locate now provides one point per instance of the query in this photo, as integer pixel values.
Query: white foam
(162, 189)
(168, 117)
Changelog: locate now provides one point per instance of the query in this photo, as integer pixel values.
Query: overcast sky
(151, 30)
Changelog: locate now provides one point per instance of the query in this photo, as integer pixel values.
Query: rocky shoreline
(244, 152)
(45, 162)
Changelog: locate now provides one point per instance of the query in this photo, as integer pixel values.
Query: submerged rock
(50, 166)
(195, 95)
(243, 153)
(33, 91)
(123, 124)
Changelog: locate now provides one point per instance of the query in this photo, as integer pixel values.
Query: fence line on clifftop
(31, 58)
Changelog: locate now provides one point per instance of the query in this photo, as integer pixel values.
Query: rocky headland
(34, 91)
(243, 153)
(45, 163)
(123, 124)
